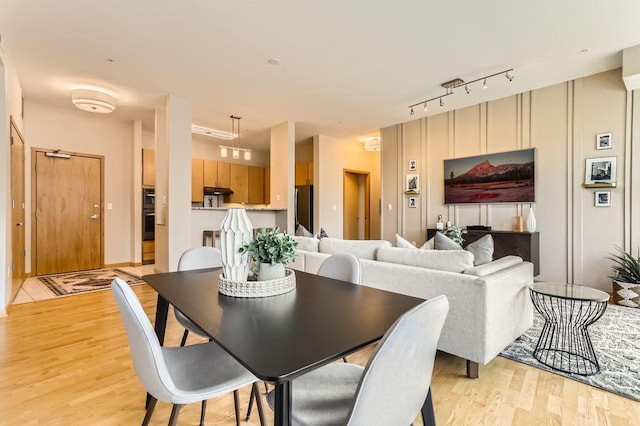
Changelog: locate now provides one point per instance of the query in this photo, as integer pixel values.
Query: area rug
(616, 340)
(85, 281)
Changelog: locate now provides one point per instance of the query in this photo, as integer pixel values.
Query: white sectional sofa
(489, 304)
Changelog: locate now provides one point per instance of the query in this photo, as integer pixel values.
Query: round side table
(568, 310)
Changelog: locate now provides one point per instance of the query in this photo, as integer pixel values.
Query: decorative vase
(235, 231)
(268, 271)
(531, 221)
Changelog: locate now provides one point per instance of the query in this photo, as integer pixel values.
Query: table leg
(282, 409)
(428, 416)
(162, 311)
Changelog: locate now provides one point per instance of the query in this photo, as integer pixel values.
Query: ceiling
(347, 68)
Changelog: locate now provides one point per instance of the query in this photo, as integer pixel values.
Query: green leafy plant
(454, 233)
(626, 267)
(271, 246)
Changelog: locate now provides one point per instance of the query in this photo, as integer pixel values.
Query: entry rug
(85, 281)
(616, 340)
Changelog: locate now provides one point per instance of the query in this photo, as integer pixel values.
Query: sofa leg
(472, 369)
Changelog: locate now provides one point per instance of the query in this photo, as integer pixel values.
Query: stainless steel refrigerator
(304, 206)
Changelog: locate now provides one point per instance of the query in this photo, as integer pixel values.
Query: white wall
(331, 158)
(561, 122)
(71, 129)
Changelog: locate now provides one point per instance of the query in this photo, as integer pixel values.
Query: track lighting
(457, 82)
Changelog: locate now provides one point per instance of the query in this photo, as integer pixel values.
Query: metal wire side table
(568, 310)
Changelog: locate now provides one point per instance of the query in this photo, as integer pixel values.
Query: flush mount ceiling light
(455, 83)
(235, 150)
(93, 101)
(372, 144)
(214, 133)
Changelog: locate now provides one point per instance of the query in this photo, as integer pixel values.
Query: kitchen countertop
(246, 208)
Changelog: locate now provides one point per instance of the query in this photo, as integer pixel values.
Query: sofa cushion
(482, 250)
(307, 243)
(442, 242)
(494, 266)
(443, 260)
(364, 249)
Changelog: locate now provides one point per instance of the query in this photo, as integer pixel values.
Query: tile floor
(31, 290)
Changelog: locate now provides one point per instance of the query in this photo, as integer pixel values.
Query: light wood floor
(65, 361)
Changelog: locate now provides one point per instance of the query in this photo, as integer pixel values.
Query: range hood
(211, 190)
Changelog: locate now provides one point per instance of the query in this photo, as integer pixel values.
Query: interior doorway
(68, 215)
(356, 196)
(18, 249)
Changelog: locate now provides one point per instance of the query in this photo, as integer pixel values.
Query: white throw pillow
(482, 250)
(301, 231)
(403, 243)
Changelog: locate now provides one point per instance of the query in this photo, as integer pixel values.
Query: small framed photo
(604, 141)
(413, 165)
(603, 198)
(413, 184)
(600, 170)
(413, 202)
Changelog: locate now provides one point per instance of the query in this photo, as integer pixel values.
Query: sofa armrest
(493, 266)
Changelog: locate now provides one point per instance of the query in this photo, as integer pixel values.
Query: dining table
(279, 338)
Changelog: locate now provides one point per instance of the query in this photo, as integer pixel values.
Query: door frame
(15, 286)
(367, 199)
(34, 238)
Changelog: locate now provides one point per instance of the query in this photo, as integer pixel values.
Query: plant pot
(268, 271)
(626, 294)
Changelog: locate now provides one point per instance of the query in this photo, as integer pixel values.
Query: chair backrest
(146, 351)
(341, 266)
(396, 380)
(200, 258)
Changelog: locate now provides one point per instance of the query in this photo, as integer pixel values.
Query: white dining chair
(178, 375)
(341, 266)
(390, 390)
(196, 258)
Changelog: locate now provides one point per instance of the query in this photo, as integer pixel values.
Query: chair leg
(184, 337)
(266, 389)
(344, 358)
(256, 393)
(236, 405)
(203, 411)
(150, 407)
(472, 370)
(251, 398)
(173, 421)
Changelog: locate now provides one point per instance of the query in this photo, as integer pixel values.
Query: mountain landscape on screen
(493, 178)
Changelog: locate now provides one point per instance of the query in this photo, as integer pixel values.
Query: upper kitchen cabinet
(267, 185)
(148, 167)
(304, 173)
(211, 173)
(224, 175)
(239, 184)
(197, 180)
(256, 185)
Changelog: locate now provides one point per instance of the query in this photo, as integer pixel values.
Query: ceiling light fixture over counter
(235, 150)
(454, 84)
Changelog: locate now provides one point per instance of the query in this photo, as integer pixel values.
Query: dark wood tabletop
(280, 337)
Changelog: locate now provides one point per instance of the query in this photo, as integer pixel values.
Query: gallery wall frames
(600, 172)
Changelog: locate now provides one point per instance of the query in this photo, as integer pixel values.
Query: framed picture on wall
(600, 170)
(413, 184)
(413, 165)
(604, 141)
(603, 198)
(413, 202)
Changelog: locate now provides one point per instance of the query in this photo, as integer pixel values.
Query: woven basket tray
(258, 288)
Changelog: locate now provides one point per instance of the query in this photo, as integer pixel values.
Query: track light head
(484, 84)
(425, 107)
(411, 111)
(466, 88)
(441, 102)
(509, 77)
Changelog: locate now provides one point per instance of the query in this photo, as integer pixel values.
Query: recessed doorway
(356, 196)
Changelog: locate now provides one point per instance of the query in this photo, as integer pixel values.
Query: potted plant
(454, 233)
(626, 281)
(270, 252)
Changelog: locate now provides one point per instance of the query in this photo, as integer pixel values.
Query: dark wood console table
(523, 244)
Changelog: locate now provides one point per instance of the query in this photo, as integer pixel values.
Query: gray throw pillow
(482, 250)
(442, 242)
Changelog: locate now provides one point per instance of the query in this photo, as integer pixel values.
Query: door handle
(19, 223)
(94, 216)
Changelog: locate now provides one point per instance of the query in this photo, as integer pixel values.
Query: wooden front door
(18, 273)
(68, 212)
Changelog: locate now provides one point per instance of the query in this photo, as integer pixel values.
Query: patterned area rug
(616, 340)
(85, 281)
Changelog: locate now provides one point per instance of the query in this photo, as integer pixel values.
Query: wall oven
(148, 214)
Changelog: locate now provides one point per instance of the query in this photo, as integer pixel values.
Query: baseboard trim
(121, 264)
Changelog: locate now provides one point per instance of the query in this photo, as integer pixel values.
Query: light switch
(335, 207)
(109, 206)
(164, 199)
(389, 207)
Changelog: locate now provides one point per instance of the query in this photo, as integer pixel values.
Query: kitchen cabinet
(148, 252)
(224, 175)
(256, 185)
(148, 167)
(197, 180)
(267, 185)
(211, 173)
(304, 173)
(239, 184)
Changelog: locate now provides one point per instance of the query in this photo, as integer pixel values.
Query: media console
(523, 244)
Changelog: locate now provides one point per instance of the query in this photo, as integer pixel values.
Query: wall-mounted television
(506, 177)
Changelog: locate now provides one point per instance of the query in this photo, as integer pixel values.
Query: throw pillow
(404, 243)
(482, 250)
(430, 244)
(301, 231)
(442, 242)
(322, 234)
